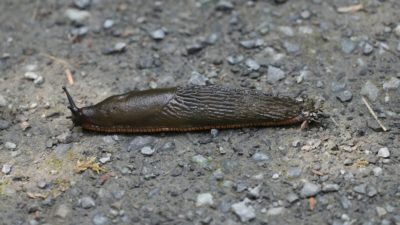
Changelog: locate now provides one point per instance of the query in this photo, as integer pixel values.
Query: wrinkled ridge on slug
(190, 108)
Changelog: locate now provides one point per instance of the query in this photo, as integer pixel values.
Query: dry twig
(373, 114)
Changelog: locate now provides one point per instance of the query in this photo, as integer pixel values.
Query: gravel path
(345, 170)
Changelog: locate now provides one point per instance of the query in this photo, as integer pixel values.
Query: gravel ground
(345, 170)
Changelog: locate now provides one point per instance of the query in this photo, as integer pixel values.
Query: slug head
(77, 115)
(312, 110)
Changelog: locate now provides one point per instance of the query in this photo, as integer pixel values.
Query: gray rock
(147, 151)
(348, 162)
(168, 146)
(254, 193)
(397, 30)
(36, 78)
(158, 34)
(294, 172)
(368, 48)
(194, 47)
(384, 152)
(276, 211)
(252, 64)
(204, 199)
(330, 187)
(252, 43)
(240, 186)
(370, 91)
(286, 30)
(309, 189)
(381, 211)
(3, 101)
(199, 159)
(62, 211)
(224, 5)
(139, 142)
(275, 74)
(260, 157)
(87, 202)
(108, 24)
(234, 59)
(10, 145)
(42, 184)
(197, 79)
(392, 84)
(371, 191)
(292, 197)
(82, 4)
(377, 171)
(6, 169)
(77, 16)
(99, 219)
(213, 38)
(291, 47)
(305, 14)
(80, 31)
(244, 211)
(360, 189)
(119, 47)
(105, 159)
(362, 67)
(344, 96)
(348, 46)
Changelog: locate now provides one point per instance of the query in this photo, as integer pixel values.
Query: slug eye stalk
(76, 112)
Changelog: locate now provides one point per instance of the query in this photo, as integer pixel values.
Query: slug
(191, 108)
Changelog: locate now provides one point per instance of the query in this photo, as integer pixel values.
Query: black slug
(189, 109)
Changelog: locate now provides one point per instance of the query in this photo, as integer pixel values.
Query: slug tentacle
(191, 108)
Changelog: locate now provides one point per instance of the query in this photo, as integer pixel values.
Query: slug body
(190, 108)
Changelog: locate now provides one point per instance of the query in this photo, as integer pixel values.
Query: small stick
(334, 121)
(350, 9)
(69, 76)
(373, 114)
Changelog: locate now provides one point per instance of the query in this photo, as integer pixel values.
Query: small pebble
(275, 74)
(252, 64)
(62, 211)
(381, 211)
(275, 211)
(37, 79)
(344, 96)
(330, 187)
(234, 59)
(199, 159)
(310, 189)
(397, 30)
(360, 189)
(42, 184)
(3, 101)
(377, 171)
(82, 4)
(392, 84)
(194, 47)
(224, 5)
(119, 47)
(108, 24)
(292, 197)
(6, 169)
(368, 48)
(87, 202)
(370, 91)
(244, 211)
(77, 16)
(254, 193)
(384, 152)
(204, 199)
(10, 145)
(197, 79)
(4, 124)
(99, 219)
(252, 43)
(158, 34)
(147, 151)
(348, 46)
(291, 47)
(305, 14)
(260, 157)
(294, 172)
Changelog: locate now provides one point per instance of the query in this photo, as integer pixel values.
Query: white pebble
(6, 169)
(10, 145)
(204, 199)
(148, 151)
(384, 153)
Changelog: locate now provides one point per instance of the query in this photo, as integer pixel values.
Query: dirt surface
(345, 170)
